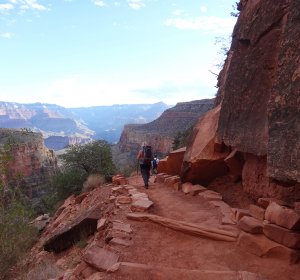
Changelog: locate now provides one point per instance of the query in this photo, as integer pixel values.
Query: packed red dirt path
(159, 246)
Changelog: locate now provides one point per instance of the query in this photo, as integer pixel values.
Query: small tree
(78, 163)
(94, 157)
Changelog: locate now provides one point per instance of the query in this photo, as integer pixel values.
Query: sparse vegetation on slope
(16, 235)
(81, 165)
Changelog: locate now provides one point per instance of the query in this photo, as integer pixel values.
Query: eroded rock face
(259, 96)
(30, 159)
(284, 103)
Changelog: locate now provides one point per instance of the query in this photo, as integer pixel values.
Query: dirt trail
(158, 246)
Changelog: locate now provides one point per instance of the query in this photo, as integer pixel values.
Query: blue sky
(78, 53)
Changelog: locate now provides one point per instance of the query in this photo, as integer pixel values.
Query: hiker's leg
(148, 174)
(144, 175)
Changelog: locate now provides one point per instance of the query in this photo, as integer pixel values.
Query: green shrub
(60, 186)
(16, 236)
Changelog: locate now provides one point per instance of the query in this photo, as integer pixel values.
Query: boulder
(210, 195)
(172, 163)
(119, 226)
(283, 216)
(240, 213)
(202, 161)
(121, 241)
(41, 222)
(161, 177)
(162, 166)
(196, 189)
(141, 205)
(100, 258)
(101, 224)
(250, 224)
(282, 235)
(257, 212)
(261, 246)
(170, 181)
(119, 180)
(123, 199)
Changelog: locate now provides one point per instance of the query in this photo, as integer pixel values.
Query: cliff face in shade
(30, 160)
(259, 91)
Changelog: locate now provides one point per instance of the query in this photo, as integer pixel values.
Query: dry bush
(43, 271)
(93, 181)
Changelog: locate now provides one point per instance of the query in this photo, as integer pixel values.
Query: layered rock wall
(160, 132)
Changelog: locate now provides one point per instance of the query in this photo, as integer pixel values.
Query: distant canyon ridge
(61, 126)
(129, 123)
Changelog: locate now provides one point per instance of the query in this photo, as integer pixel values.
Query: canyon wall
(260, 113)
(259, 89)
(29, 162)
(160, 132)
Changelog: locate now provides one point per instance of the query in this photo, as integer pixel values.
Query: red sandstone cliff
(30, 161)
(259, 97)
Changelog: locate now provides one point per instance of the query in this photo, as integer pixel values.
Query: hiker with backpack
(144, 158)
(154, 165)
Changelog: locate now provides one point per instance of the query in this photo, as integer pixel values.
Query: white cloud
(6, 35)
(178, 12)
(136, 4)
(23, 5)
(99, 3)
(6, 7)
(205, 23)
(32, 4)
(203, 9)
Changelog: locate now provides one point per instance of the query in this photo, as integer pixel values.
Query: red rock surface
(282, 236)
(283, 216)
(168, 252)
(202, 163)
(30, 159)
(258, 92)
(172, 163)
(100, 258)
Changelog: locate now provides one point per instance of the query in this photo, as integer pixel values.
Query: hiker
(144, 158)
(154, 165)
